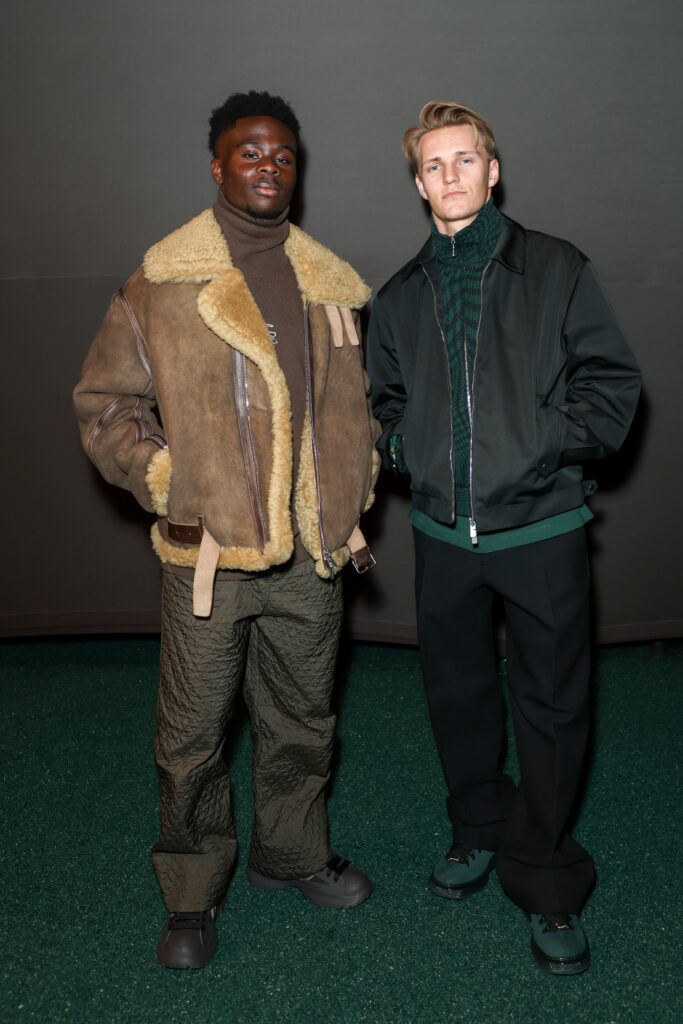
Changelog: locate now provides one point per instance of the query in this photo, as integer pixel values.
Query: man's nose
(451, 172)
(268, 166)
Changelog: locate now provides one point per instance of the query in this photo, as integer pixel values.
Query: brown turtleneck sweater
(257, 249)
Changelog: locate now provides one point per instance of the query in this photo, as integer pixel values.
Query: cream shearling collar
(197, 253)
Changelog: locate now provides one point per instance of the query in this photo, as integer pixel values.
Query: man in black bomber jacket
(498, 369)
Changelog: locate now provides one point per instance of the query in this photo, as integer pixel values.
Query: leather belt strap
(204, 575)
(336, 328)
(347, 318)
(362, 558)
(341, 322)
(184, 533)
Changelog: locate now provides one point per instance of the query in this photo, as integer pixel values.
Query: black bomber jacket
(554, 384)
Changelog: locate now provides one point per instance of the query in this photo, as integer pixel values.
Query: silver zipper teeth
(246, 443)
(326, 553)
(253, 456)
(450, 391)
(471, 401)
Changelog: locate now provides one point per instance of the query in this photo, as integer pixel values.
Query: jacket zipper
(308, 360)
(248, 450)
(471, 402)
(450, 392)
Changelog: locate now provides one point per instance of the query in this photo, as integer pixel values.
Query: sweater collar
(510, 250)
(474, 245)
(247, 235)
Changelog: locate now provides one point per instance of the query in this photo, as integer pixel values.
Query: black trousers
(544, 588)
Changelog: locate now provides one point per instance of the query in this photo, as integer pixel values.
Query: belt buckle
(365, 562)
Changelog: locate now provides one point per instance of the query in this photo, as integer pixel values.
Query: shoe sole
(560, 966)
(573, 965)
(318, 899)
(461, 892)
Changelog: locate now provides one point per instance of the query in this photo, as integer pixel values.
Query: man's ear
(494, 173)
(420, 187)
(216, 172)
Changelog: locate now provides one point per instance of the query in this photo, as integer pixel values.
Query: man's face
(256, 165)
(455, 176)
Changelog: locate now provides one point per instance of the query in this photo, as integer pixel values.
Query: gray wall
(105, 152)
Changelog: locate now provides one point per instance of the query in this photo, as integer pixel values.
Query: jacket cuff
(157, 481)
(395, 451)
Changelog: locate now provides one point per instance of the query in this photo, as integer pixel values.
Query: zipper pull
(328, 560)
(453, 246)
(473, 532)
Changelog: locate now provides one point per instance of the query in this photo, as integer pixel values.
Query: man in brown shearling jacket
(240, 331)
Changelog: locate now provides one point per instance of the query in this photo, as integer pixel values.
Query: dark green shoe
(559, 943)
(461, 872)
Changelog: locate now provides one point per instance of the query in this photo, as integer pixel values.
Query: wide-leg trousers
(277, 637)
(544, 588)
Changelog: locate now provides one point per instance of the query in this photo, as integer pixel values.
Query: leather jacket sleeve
(600, 387)
(114, 402)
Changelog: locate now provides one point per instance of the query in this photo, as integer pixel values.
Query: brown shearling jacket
(185, 337)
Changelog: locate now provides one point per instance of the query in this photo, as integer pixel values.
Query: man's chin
(265, 214)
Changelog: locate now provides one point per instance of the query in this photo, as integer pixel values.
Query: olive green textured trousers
(275, 637)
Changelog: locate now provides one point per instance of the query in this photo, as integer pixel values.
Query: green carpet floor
(82, 914)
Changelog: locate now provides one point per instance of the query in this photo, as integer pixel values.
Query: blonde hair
(442, 114)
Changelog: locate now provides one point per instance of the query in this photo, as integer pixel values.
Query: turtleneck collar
(247, 234)
(475, 243)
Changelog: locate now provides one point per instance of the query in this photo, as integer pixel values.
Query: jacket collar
(511, 246)
(197, 253)
(510, 250)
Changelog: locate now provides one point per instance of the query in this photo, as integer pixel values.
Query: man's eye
(283, 160)
(250, 155)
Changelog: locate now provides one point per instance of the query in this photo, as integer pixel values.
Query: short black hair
(250, 104)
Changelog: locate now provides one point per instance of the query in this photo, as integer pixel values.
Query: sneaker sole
(575, 965)
(318, 899)
(461, 892)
